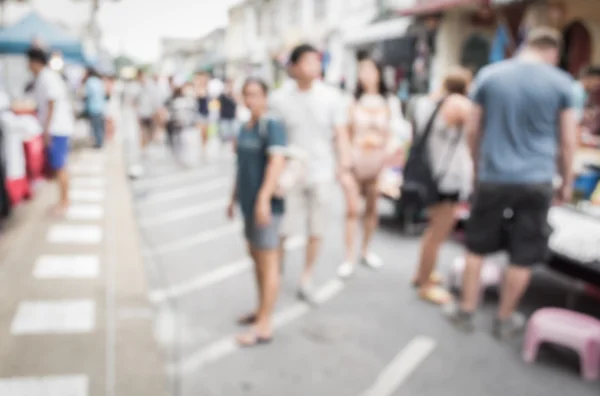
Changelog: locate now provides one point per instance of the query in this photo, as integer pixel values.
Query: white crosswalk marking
(87, 182)
(85, 212)
(58, 317)
(185, 213)
(219, 275)
(195, 240)
(188, 191)
(76, 234)
(67, 266)
(403, 365)
(86, 169)
(176, 178)
(90, 196)
(77, 385)
(226, 346)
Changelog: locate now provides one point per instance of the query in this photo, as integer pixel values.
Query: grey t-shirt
(522, 102)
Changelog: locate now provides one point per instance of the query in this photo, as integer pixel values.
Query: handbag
(294, 173)
(420, 185)
(369, 162)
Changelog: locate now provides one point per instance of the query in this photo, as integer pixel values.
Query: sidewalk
(74, 314)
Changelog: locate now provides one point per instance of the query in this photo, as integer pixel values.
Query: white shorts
(310, 204)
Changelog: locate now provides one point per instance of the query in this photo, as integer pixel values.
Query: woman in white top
(370, 127)
(452, 164)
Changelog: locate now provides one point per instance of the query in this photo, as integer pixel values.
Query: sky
(135, 27)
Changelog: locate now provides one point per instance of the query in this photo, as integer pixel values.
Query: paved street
(140, 286)
(371, 336)
(74, 314)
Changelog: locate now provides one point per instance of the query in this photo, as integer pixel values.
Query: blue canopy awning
(17, 39)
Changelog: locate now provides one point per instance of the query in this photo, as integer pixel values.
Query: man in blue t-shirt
(523, 122)
(95, 104)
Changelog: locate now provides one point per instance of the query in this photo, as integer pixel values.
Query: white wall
(248, 46)
(15, 74)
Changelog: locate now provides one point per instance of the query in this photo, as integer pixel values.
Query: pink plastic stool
(569, 329)
(491, 274)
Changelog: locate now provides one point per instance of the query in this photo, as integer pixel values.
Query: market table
(575, 242)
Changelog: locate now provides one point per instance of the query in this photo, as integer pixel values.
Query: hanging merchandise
(501, 45)
(17, 182)
(475, 52)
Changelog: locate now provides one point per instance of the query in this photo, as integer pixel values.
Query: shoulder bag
(420, 185)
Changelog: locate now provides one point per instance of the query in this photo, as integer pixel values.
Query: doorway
(577, 51)
(475, 52)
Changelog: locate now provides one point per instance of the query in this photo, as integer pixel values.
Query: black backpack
(420, 185)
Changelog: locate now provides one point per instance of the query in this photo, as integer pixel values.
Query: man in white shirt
(315, 118)
(147, 106)
(55, 113)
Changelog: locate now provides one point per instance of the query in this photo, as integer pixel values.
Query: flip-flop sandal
(252, 339)
(435, 279)
(436, 295)
(247, 320)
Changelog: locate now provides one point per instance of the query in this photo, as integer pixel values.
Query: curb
(139, 363)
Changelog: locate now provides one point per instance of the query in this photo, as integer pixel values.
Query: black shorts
(448, 197)
(147, 123)
(511, 217)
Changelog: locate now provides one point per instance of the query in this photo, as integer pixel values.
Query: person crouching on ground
(55, 114)
(260, 148)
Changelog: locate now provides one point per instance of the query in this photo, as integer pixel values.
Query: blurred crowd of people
(58, 106)
(494, 140)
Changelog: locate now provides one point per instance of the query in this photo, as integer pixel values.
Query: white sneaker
(372, 261)
(346, 270)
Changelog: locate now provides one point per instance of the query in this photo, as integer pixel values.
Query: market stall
(575, 242)
(17, 39)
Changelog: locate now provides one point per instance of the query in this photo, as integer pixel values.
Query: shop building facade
(468, 32)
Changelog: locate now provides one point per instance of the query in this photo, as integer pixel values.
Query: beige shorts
(310, 204)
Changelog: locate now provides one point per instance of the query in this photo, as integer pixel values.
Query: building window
(320, 8)
(295, 12)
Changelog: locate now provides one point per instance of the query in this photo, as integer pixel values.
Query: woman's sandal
(435, 279)
(435, 295)
(247, 320)
(252, 339)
